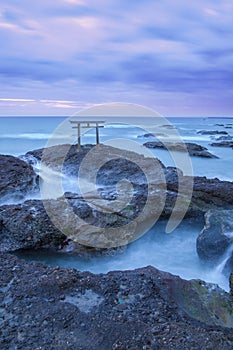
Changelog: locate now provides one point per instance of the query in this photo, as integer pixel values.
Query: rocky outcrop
(192, 148)
(27, 225)
(207, 193)
(17, 178)
(57, 308)
(216, 236)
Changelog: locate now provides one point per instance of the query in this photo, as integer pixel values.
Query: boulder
(17, 178)
(27, 225)
(216, 236)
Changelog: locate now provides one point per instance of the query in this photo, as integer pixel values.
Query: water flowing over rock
(44, 307)
(229, 264)
(217, 234)
(17, 221)
(17, 178)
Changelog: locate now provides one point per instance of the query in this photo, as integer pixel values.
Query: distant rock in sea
(212, 132)
(228, 144)
(193, 149)
(224, 138)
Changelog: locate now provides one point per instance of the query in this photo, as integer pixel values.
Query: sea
(174, 252)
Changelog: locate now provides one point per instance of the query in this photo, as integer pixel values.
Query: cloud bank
(174, 56)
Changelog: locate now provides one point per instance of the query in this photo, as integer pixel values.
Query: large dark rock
(192, 148)
(57, 308)
(207, 193)
(216, 236)
(27, 225)
(17, 178)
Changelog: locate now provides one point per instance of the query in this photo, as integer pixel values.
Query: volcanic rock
(17, 178)
(56, 308)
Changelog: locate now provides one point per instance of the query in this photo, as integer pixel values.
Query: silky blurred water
(175, 252)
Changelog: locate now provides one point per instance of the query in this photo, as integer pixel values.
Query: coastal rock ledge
(17, 178)
(56, 308)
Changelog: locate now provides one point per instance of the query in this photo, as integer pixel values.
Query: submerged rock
(17, 178)
(192, 148)
(141, 309)
(216, 236)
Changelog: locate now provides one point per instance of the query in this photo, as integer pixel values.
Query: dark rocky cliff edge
(56, 308)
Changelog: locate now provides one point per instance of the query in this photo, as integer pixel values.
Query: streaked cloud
(169, 54)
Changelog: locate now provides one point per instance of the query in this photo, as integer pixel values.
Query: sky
(58, 57)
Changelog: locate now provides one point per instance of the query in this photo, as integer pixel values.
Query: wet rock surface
(216, 236)
(192, 148)
(56, 308)
(27, 225)
(17, 178)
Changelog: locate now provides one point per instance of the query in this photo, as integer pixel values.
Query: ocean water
(175, 252)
